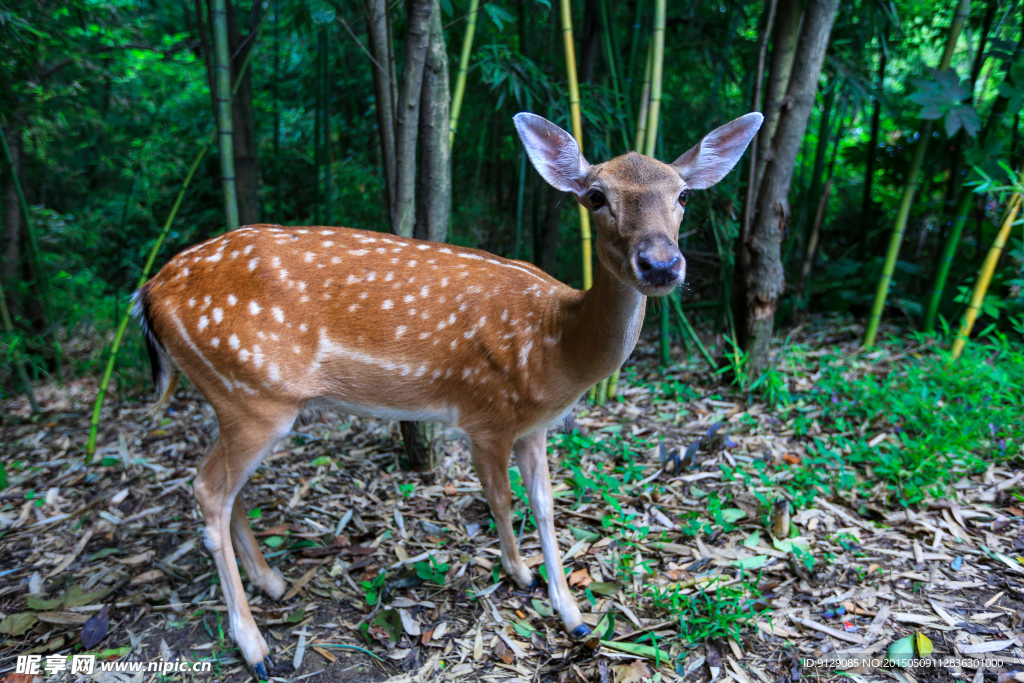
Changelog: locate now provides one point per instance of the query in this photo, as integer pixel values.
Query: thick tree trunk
(764, 279)
(403, 215)
(248, 175)
(784, 45)
(377, 21)
(433, 183)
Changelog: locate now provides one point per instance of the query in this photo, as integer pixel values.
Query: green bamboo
(645, 101)
(222, 86)
(18, 359)
(277, 112)
(318, 152)
(94, 422)
(984, 278)
(37, 261)
(657, 67)
(325, 82)
(460, 81)
(90, 447)
(577, 132)
(910, 187)
(963, 207)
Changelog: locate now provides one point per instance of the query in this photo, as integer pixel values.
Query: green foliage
(431, 570)
(707, 616)
(945, 419)
(941, 95)
(373, 588)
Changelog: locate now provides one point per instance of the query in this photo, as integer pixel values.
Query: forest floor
(709, 537)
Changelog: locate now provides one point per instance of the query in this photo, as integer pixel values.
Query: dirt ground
(652, 561)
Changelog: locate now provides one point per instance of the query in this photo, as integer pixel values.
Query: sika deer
(265, 320)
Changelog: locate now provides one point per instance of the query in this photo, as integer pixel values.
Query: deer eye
(597, 199)
(682, 197)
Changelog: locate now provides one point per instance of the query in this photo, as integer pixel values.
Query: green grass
(945, 419)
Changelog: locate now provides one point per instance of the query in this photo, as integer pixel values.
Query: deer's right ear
(553, 152)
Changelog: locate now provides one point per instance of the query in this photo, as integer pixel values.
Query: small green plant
(407, 490)
(374, 587)
(433, 571)
(707, 616)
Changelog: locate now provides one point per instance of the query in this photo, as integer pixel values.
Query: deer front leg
(490, 459)
(532, 458)
(245, 437)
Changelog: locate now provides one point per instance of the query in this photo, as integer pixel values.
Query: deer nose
(659, 268)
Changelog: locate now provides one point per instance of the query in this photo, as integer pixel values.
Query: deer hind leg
(490, 459)
(246, 435)
(532, 458)
(259, 572)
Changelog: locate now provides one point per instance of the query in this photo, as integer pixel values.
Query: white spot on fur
(203, 322)
(233, 341)
(400, 330)
(232, 299)
(278, 314)
(254, 307)
(387, 305)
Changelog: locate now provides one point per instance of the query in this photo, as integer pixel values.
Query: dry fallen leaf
(581, 578)
(503, 653)
(634, 672)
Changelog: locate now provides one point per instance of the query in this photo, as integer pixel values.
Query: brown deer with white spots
(267, 320)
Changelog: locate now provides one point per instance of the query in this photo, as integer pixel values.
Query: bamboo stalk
(33, 250)
(222, 86)
(985, 277)
(94, 422)
(460, 81)
(577, 132)
(645, 101)
(657, 68)
(910, 187)
(326, 97)
(693, 334)
(963, 207)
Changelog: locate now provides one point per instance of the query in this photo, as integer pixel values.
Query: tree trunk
(377, 21)
(403, 215)
(248, 175)
(784, 45)
(763, 277)
(434, 183)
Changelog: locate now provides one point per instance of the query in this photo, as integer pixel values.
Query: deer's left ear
(553, 152)
(714, 156)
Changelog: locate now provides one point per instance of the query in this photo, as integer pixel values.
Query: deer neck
(603, 327)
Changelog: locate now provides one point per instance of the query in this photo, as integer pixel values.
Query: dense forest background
(105, 106)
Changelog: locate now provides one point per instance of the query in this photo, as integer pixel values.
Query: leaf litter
(687, 548)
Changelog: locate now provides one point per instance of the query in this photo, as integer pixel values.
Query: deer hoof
(260, 668)
(581, 632)
(534, 585)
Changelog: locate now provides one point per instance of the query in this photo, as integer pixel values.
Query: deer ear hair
(714, 156)
(553, 152)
